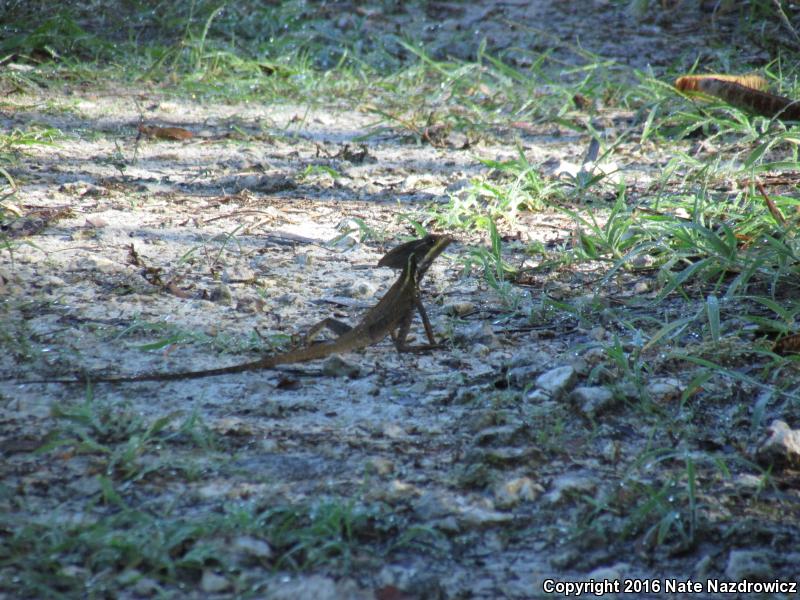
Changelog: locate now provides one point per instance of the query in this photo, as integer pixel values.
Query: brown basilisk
(392, 315)
(397, 258)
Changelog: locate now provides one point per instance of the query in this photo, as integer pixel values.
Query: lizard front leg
(400, 334)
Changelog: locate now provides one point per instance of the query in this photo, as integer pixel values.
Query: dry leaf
(788, 345)
(166, 133)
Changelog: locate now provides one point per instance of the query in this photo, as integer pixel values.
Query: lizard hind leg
(335, 325)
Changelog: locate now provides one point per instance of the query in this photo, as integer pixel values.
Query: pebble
(592, 401)
(252, 547)
(748, 564)
(211, 583)
(458, 309)
(522, 375)
(556, 381)
(781, 447)
(361, 289)
(317, 587)
(477, 333)
(221, 294)
(664, 389)
(336, 366)
(569, 484)
(517, 490)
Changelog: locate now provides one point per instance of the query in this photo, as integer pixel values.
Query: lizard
(392, 315)
(396, 258)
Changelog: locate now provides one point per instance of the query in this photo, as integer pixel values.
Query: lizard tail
(301, 355)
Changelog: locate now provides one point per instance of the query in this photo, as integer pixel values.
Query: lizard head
(425, 250)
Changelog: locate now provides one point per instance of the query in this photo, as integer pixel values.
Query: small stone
(363, 388)
(430, 506)
(702, 567)
(211, 583)
(233, 426)
(289, 300)
(477, 517)
(96, 222)
(597, 333)
(501, 434)
(521, 376)
(749, 564)
(252, 547)
(146, 587)
(465, 395)
(781, 447)
(402, 490)
(238, 273)
(93, 263)
(74, 571)
(611, 451)
(556, 381)
(302, 259)
(361, 289)
(417, 389)
(569, 484)
(664, 389)
(538, 396)
(613, 573)
(448, 525)
(336, 366)
(480, 349)
(530, 358)
(393, 430)
(344, 242)
(592, 401)
(594, 356)
(251, 305)
(458, 309)
(581, 366)
(514, 491)
(50, 283)
(477, 333)
(317, 587)
(513, 455)
(381, 466)
(221, 294)
(129, 577)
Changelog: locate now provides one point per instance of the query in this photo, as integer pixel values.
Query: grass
(729, 258)
(225, 52)
(727, 250)
(167, 335)
(118, 528)
(111, 546)
(120, 437)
